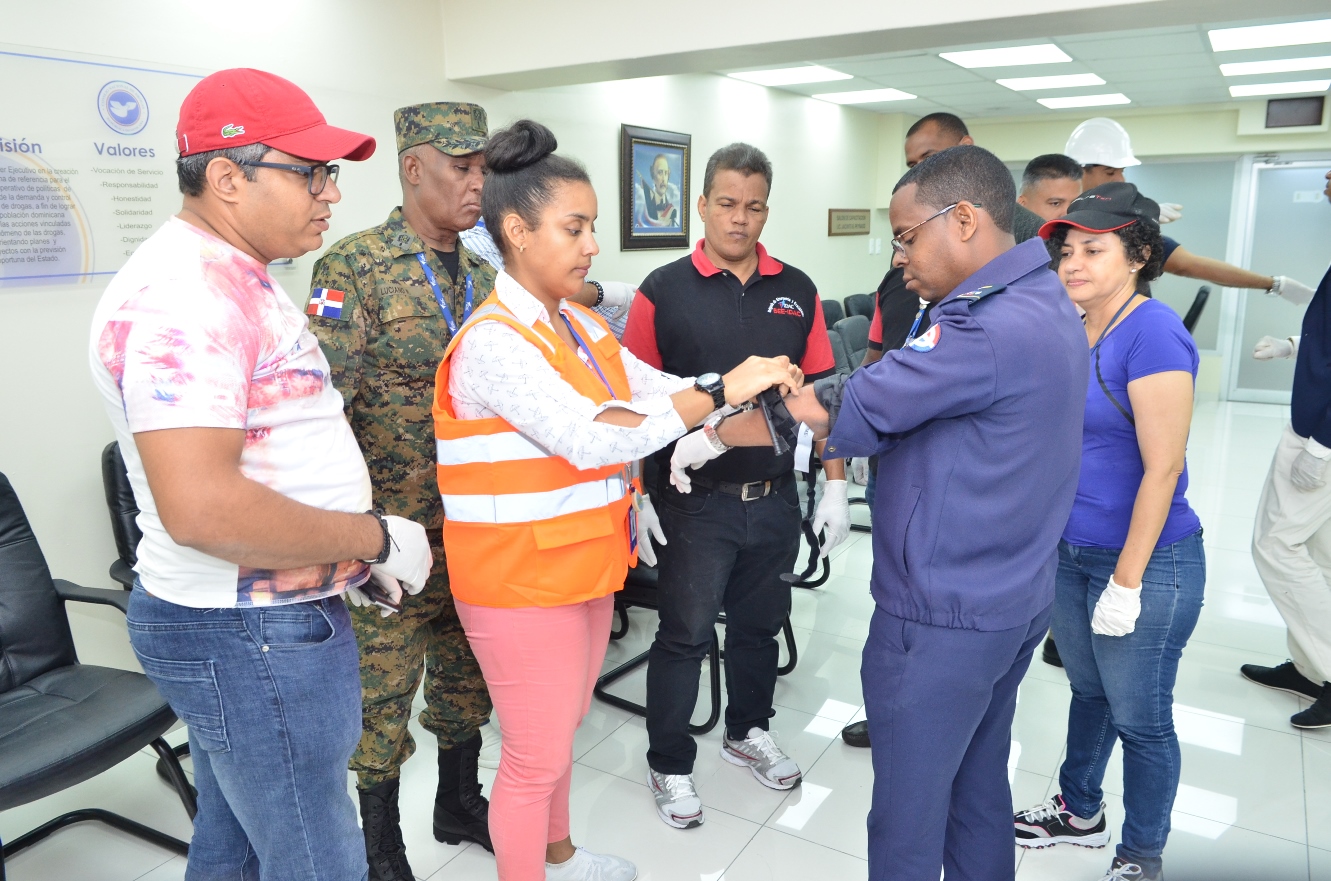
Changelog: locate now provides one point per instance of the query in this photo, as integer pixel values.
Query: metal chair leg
(714, 679)
(168, 766)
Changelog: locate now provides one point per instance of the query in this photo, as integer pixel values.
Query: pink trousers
(540, 665)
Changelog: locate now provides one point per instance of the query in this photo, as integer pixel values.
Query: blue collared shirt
(978, 429)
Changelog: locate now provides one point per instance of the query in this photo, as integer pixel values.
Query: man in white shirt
(251, 488)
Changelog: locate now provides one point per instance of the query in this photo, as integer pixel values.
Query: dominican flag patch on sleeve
(326, 303)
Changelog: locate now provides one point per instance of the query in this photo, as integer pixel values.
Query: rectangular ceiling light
(1255, 90)
(792, 76)
(1294, 33)
(1012, 56)
(1066, 81)
(866, 96)
(1282, 65)
(1085, 101)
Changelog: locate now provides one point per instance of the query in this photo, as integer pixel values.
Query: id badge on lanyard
(467, 300)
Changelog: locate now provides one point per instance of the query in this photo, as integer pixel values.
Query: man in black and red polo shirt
(729, 539)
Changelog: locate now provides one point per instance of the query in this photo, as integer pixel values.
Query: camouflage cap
(453, 127)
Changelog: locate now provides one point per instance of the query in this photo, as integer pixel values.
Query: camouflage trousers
(425, 638)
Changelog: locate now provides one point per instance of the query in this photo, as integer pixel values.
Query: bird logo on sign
(122, 107)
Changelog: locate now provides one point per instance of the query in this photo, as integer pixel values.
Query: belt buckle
(744, 490)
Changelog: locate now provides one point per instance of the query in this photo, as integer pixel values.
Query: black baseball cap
(1106, 208)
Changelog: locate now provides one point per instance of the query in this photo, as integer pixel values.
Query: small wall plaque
(847, 221)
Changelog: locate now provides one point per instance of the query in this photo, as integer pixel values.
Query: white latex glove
(356, 597)
(859, 470)
(1270, 348)
(692, 451)
(618, 296)
(1309, 466)
(1292, 290)
(1170, 212)
(834, 514)
(649, 529)
(409, 556)
(1116, 611)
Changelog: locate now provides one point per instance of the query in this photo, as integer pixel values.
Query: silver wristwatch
(710, 433)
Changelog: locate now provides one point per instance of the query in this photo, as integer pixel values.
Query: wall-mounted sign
(847, 221)
(87, 164)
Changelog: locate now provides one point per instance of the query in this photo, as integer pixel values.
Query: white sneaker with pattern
(587, 866)
(677, 801)
(759, 753)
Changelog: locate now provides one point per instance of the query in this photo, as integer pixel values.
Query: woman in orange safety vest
(539, 415)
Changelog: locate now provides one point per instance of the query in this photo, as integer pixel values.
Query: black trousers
(721, 553)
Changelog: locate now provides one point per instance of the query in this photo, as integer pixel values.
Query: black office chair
(62, 722)
(124, 509)
(854, 331)
(640, 590)
(1195, 310)
(832, 312)
(859, 304)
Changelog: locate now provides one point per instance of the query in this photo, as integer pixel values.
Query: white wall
(360, 61)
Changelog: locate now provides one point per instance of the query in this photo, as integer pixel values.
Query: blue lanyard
(439, 296)
(590, 357)
(914, 327)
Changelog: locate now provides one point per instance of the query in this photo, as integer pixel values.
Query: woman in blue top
(1130, 566)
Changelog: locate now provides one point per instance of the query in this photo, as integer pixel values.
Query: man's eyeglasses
(900, 246)
(318, 176)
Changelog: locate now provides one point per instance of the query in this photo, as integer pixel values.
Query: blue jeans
(271, 697)
(1123, 686)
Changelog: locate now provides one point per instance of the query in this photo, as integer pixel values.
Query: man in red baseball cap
(252, 491)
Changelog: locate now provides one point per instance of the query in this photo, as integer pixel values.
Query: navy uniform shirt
(1310, 403)
(977, 425)
(691, 318)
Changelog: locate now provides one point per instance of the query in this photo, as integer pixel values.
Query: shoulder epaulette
(980, 293)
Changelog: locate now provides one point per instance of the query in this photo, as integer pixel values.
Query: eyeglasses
(900, 247)
(318, 175)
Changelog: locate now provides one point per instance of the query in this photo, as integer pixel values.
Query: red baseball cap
(232, 108)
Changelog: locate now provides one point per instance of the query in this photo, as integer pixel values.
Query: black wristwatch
(714, 385)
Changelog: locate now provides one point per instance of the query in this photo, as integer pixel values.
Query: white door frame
(1238, 251)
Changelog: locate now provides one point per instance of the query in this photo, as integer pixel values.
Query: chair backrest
(34, 632)
(120, 504)
(859, 304)
(1195, 310)
(854, 331)
(832, 312)
(839, 353)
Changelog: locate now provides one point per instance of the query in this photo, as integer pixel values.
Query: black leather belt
(747, 492)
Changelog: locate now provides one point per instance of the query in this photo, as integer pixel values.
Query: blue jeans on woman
(1123, 687)
(271, 697)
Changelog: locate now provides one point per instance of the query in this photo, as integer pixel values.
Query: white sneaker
(587, 866)
(676, 800)
(759, 753)
(490, 746)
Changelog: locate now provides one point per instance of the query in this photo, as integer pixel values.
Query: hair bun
(522, 144)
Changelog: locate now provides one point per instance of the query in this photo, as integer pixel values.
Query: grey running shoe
(676, 800)
(759, 753)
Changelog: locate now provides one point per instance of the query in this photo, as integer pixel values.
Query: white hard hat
(1101, 141)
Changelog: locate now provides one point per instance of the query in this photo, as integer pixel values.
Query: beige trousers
(1291, 545)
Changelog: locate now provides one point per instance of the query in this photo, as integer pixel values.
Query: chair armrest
(68, 590)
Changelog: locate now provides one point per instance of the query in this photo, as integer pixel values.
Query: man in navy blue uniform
(977, 425)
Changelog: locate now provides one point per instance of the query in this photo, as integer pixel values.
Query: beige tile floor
(1255, 801)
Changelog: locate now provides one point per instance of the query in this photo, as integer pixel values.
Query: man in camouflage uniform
(384, 345)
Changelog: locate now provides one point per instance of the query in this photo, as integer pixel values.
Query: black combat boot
(383, 833)
(461, 813)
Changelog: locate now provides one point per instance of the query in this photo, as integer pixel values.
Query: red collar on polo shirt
(767, 265)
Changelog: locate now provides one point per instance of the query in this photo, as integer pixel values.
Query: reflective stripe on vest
(526, 507)
(508, 446)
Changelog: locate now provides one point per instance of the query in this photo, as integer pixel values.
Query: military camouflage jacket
(384, 350)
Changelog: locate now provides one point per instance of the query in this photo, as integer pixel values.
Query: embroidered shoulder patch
(927, 340)
(326, 303)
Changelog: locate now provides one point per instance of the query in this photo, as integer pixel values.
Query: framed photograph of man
(653, 189)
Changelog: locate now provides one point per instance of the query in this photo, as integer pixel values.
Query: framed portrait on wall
(653, 189)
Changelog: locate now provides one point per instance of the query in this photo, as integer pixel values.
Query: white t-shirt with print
(193, 333)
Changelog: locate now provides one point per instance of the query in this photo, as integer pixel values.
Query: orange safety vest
(523, 526)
